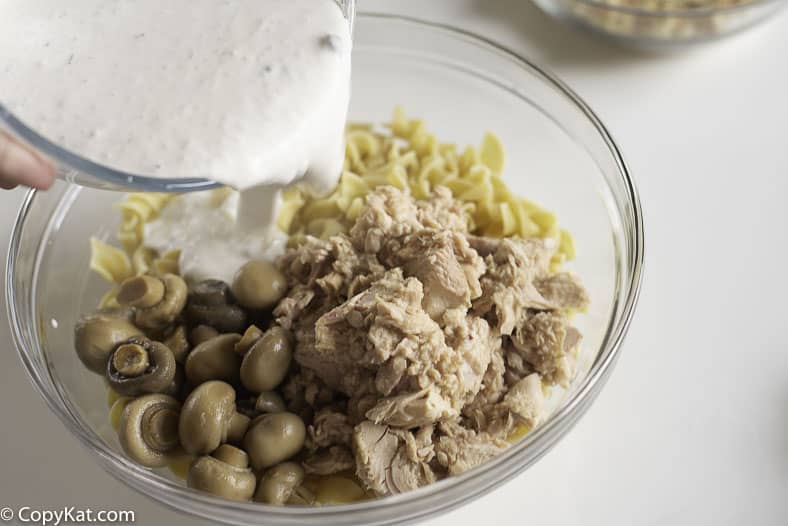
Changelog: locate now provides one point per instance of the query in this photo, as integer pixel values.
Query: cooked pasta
(136, 210)
(110, 262)
(410, 158)
(167, 263)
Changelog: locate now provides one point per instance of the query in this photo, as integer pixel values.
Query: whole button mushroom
(178, 343)
(211, 293)
(269, 402)
(214, 359)
(274, 438)
(278, 484)
(96, 336)
(159, 301)
(141, 366)
(209, 419)
(247, 341)
(259, 285)
(210, 303)
(266, 364)
(148, 430)
(202, 333)
(225, 474)
(176, 387)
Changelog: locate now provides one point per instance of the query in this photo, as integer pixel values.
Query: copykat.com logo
(66, 515)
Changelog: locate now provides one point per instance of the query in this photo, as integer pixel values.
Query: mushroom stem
(239, 423)
(131, 360)
(141, 291)
(162, 425)
(232, 455)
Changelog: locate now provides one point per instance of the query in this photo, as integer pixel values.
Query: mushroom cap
(270, 402)
(202, 333)
(210, 292)
(273, 438)
(251, 336)
(148, 430)
(206, 416)
(278, 483)
(214, 359)
(224, 318)
(96, 336)
(213, 475)
(259, 285)
(266, 364)
(157, 378)
(164, 312)
(178, 342)
(211, 303)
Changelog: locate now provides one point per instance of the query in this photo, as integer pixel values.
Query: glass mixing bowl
(559, 154)
(662, 23)
(72, 167)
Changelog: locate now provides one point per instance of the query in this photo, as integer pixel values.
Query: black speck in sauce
(71, 58)
(330, 42)
(139, 35)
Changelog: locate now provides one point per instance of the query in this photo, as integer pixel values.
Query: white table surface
(692, 429)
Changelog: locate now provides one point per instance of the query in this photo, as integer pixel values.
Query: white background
(692, 429)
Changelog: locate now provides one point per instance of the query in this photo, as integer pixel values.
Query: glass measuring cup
(74, 168)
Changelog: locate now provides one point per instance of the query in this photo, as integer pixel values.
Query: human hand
(20, 165)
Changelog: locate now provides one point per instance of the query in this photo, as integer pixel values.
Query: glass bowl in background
(558, 154)
(662, 22)
(74, 168)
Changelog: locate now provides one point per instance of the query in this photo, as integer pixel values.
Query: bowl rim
(673, 12)
(415, 504)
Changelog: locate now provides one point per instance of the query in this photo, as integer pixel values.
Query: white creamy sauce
(203, 225)
(249, 93)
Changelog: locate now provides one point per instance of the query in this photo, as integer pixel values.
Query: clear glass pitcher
(74, 168)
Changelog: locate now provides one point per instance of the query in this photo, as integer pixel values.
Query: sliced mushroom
(97, 335)
(209, 419)
(214, 359)
(268, 361)
(250, 337)
(202, 333)
(274, 438)
(210, 303)
(277, 484)
(141, 366)
(178, 343)
(148, 430)
(259, 285)
(140, 291)
(225, 474)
